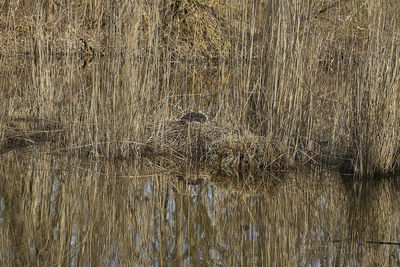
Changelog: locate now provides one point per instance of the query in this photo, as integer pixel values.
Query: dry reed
(299, 73)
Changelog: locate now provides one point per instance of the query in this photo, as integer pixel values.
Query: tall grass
(314, 75)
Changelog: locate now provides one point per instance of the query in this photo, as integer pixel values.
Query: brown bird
(195, 116)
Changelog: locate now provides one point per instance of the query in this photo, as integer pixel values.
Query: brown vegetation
(297, 81)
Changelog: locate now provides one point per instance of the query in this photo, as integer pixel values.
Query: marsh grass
(298, 73)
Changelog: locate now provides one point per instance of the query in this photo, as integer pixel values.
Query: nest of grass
(217, 146)
(17, 133)
(246, 151)
(220, 148)
(183, 140)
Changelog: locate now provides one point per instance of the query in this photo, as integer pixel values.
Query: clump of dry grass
(245, 151)
(23, 132)
(220, 147)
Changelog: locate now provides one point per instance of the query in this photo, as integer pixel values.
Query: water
(67, 210)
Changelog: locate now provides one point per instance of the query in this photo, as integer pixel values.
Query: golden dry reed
(320, 78)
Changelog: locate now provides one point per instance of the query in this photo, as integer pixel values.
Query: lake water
(65, 210)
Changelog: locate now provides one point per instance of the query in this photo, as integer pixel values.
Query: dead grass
(295, 73)
(220, 147)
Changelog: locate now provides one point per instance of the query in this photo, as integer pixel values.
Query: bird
(198, 116)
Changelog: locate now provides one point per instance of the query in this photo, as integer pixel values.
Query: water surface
(67, 210)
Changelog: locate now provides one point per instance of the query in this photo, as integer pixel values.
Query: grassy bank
(319, 78)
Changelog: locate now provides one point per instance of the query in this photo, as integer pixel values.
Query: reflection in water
(68, 211)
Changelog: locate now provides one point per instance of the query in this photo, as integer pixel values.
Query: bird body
(195, 117)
